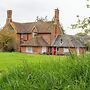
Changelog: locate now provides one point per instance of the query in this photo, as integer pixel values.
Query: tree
(88, 5)
(44, 19)
(7, 40)
(83, 24)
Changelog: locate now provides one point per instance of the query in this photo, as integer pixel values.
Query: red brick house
(39, 36)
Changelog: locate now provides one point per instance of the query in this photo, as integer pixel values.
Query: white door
(43, 49)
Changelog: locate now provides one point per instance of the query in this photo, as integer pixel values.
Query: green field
(10, 60)
(20, 71)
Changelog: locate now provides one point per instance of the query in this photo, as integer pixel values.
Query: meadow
(19, 71)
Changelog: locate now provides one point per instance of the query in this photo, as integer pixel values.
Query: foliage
(81, 34)
(83, 24)
(88, 5)
(44, 19)
(49, 73)
(7, 40)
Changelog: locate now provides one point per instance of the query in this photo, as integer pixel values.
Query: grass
(12, 60)
(9, 60)
(42, 72)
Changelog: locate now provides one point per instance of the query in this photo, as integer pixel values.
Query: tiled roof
(66, 41)
(85, 39)
(41, 26)
(22, 27)
(36, 41)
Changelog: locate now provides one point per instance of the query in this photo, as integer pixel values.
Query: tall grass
(72, 73)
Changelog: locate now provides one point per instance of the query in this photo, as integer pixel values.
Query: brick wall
(36, 50)
(23, 49)
(82, 50)
(61, 50)
(47, 37)
(29, 36)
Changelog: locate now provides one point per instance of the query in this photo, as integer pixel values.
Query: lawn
(10, 60)
(43, 72)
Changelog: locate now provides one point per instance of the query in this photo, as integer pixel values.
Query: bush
(8, 40)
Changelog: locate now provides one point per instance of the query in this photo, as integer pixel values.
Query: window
(29, 49)
(43, 49)
(66, 50)
(24, 36)
(34, 34)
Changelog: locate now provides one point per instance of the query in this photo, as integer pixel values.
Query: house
(66, 44)
(43, 36)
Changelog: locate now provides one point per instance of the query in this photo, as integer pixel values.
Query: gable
(34, 29)
(9, 27)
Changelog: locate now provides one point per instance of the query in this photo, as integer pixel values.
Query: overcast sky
(28, 10)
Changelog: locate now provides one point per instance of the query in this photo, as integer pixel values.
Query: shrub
(8, 40)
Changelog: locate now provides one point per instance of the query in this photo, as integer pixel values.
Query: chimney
(57, 27)
(9, 16)
(56, 17)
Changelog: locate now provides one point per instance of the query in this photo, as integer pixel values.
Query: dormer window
(34, 31)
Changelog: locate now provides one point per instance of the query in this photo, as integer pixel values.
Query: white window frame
(44, 50)
(65, 50)
(28, 49)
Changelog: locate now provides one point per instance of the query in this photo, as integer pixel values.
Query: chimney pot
(57, 14)
(9, 13)
(9, 16)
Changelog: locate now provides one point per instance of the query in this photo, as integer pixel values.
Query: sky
(28, 10)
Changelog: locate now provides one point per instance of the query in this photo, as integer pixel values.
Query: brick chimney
(56, 26)
(56, 17)
(9, 16)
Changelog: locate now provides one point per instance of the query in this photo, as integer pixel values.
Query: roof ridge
(22, 22)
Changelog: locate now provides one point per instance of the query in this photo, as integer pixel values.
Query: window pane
(66, 50)
(43, 49)
(29, 49)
